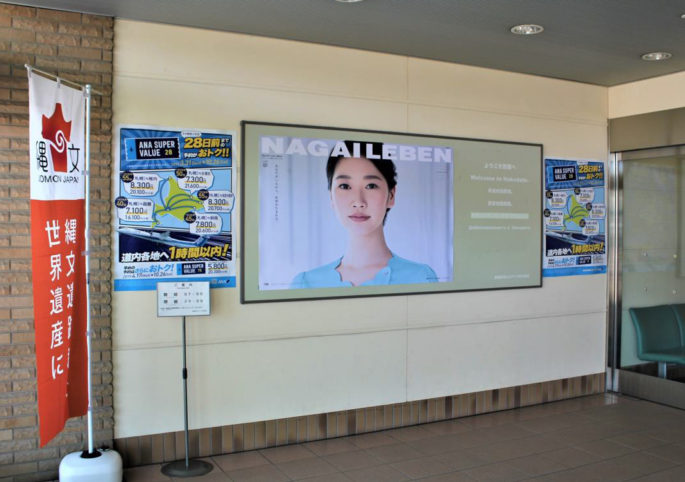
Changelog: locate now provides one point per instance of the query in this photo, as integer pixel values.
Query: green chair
(660, 335)
(679, 310)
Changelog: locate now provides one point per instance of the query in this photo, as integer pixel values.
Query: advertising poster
(56, 120)
(338, 213)
(174, 208)
(574, 217)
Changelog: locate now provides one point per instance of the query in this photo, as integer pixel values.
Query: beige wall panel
(211, 57)
(139, 327)
(247, 382)
(136, 323)
(459, 359)
(558, 297)
(651, 95)
(148, 390)
(564, 139)
(479, 89)
(179, 104)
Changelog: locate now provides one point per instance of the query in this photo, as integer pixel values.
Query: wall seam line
(358, 332)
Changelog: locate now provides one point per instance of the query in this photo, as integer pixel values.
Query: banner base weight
(105, 468)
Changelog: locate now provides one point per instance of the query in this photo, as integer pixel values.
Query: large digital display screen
(329, 212)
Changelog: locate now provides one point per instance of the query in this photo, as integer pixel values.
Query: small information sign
(183, 298)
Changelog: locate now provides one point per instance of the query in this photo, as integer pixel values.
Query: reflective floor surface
(597, 438)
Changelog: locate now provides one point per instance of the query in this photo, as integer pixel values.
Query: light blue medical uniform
(398, 271)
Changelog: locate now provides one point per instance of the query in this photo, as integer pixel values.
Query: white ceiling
(594, 41)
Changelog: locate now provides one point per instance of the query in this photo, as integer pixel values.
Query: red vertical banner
(56, 118)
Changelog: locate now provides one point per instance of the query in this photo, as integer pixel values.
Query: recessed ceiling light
(653, 56)
(349, 1)
(526, 29)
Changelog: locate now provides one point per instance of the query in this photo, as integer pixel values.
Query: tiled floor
(598, 438)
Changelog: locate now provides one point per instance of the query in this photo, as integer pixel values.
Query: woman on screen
(362, 186)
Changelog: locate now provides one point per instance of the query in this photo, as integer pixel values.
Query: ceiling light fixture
(654, 56)
(349, 1)
(526, 29)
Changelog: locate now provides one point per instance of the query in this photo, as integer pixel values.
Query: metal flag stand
(174, 299)
(106, 465)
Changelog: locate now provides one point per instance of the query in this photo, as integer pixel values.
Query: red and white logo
(57, 140)
(57, 131)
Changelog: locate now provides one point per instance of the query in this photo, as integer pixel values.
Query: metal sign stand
(174, 299)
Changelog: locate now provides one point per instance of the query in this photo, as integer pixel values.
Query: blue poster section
(174, 208)
(575, 218)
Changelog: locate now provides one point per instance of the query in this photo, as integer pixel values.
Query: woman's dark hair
(384, 165)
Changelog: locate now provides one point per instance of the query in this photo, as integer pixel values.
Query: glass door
(649, 274)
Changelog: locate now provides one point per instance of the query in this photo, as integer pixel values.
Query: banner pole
(87, 234)
(62, 80)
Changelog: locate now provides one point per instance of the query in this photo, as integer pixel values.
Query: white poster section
(266, 361)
